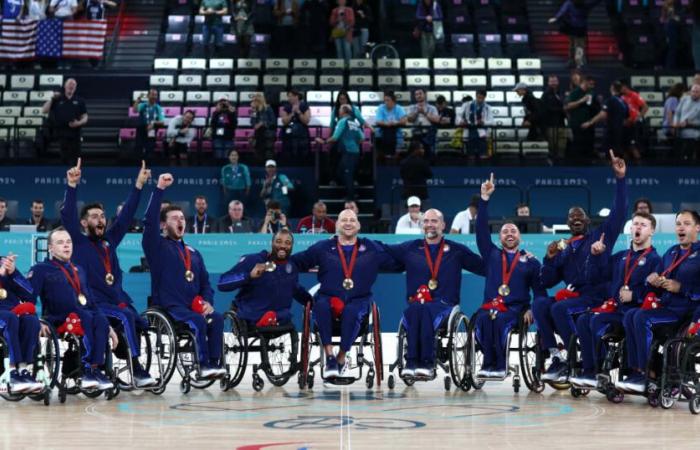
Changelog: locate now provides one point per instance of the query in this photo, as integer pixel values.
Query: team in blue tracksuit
(492, 326)
(171, 261)
(628, 268)
(271, 291)
(61, 285)
(568, 265)
(20, 332)
(98, 255)
(423, 319)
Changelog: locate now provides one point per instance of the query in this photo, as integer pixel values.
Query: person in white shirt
(63, 9)
(412, 221)
(462, 221)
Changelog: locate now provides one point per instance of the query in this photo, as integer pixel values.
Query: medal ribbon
(573, 239)
(185, 256)
(676, 262)
(506, 274)
(106, 262)
(347, 270)
(628, 270)
(434, 268)
(73, 280)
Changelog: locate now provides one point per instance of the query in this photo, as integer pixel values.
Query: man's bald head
(348, 226)
(433, 224)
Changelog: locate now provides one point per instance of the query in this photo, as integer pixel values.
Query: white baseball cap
(270, 162)
(413, 201)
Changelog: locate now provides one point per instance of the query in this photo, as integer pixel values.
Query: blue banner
(11, 9)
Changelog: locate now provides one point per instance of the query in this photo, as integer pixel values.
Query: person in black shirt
(223, 126)
(447, 114)
(68, 114)
(415, 172)
(533, 112)
(201, 222)
(295, 117)
(95, 9)
(5, 221)
(37, 218)
(615, 112)
(554, 118)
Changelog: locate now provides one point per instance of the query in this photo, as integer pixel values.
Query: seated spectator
(342, 23)
(424, 117)
(235, 221)
(582, 105)
(673, 98)
(180, 135)
(150, 119)
(430, 27)
(275, 187)
(687, 123)
(615, 112)
(37, 216)
(522, 210)
(264, 123)
(223, 126)
(134, 227)
(462, 223)
(477, 116)
(363, 21)
(317, 222)
(235, 179)
(275, 219)
(415, 172)
(446, 114)
(412, 221)
(295, 119)
(285, 36)
(351, 205)
(348, 135)
(554, 118)
(533, 112)
(201, 223)
(213, 12)
(243, 12)
(641, 205)
(5, 221)
(390, 117)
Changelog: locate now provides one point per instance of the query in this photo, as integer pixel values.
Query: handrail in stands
(115, 33)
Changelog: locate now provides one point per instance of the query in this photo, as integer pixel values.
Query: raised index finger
(612, 155)
(602, 238)
(79, 162)
(143, 164)
(491, 177)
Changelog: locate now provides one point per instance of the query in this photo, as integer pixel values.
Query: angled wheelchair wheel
(235, 353)
(401, 352)
(530, 359)
(187, 364)
(281, 355)
(161, 335)
(458, 346)
(475, 357)
(305, 356)
(377, 344)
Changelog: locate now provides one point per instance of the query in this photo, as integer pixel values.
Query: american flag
(18, 39)
(53, 38)
(84, 38)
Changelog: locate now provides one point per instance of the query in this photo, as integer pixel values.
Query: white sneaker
(498, 374)
(408, 372)
(208, 372)
(424, 372)
(483, 373)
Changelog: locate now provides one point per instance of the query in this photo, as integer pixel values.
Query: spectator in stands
(275, 187)
(201, 223)
(63, 9)
(446, 114)
(351, 205)
(430, 27)
(522, 210)
(180, 135)
(213, 12)
(415, 172)
(412, 221)
(33, 10)
(318, 222)
(573, 21)
(275, 219)
(243, 12)
(533, 112)
(235, 179)
(687, 122)
(295, 116)
(5, 221)
(582, 105)
(343, 98)
(634, 125)
(554, 118)
(223, 126)
(151, 118)
(641, 206)
(424, 117)
(694, 10)
(389, 119)
(314, 19)
(363, 21)
(37, 216)
(235, 221)
(615, 112)
(476, 117)
(462, 223)
(342, 23)
(673, 97)
(95, 9)
(285, 36)
(264, 123)
(671, 21)
(348, 135)
(575, 79)
(134, 227)
(67, 116)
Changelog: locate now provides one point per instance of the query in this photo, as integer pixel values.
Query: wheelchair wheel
(401, 350)
(162, 339)
(694, 404)
(475, 357)
(49, 357)
(235, 349)
(377, 345)
(121, 366)
(281, 354)
(530, 356)
(186, 363)
(458, 345)
(383, 51)
(305, 356)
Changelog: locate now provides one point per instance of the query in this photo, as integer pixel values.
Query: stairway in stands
(138, 35)
(333, 197)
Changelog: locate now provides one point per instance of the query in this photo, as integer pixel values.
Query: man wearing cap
(412, 221)
(276, 186)
(533, 112)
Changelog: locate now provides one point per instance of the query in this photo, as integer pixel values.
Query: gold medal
(662, 279)
(270, 266)
(109, 279)
(348, 284)
(189, 276)
(561, 245)
(432, 284)
(82, 299)
(503, 290)
(625, 288)
(3, 294)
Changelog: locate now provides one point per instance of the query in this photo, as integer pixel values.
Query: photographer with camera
(180, 135)
(223, 125)
(275, 220)
(276, 186)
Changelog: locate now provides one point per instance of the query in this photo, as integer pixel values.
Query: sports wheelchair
(277, 347)
(689, 372)
(369, 336)
(172, 346)
(44, 369)
(451, 353)
(528, 351)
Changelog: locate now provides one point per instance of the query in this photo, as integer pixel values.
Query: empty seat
(193, 65)
(526, 65)
(388, 66)
(665, 82)
(490, 45)
(189, 81)
(32, 111)
(249, 65)
(218, 81)
(474, 81)
(331, 81)
(249, 82)
(535, 149)
(198, 97)
(446, 81)
(419, 66)
(15, 98)
(517, 45)
(275, 82)
(371, 98)
(319, 98)
(304, 82)
(445, 65)
(220, 65)
(276, 66)
(161, 81)
(10, 111)
(418, 81)
(305, 66)
(361, 67)
(22, 82)
(389, 81)
(178, 24)
(643, 82)
(473, 64)
(332, 66)
(166, 64)
(433, 95)
(174, 45)
(652, 98)
(39, 97)
(463, 45)
(360, 81)
(50, 81)
(532, 81)
(502, 81)
(171, 97)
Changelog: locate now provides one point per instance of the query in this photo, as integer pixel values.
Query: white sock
(22, 366)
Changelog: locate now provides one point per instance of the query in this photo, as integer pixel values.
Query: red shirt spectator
(317, 222)
(635, 103)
